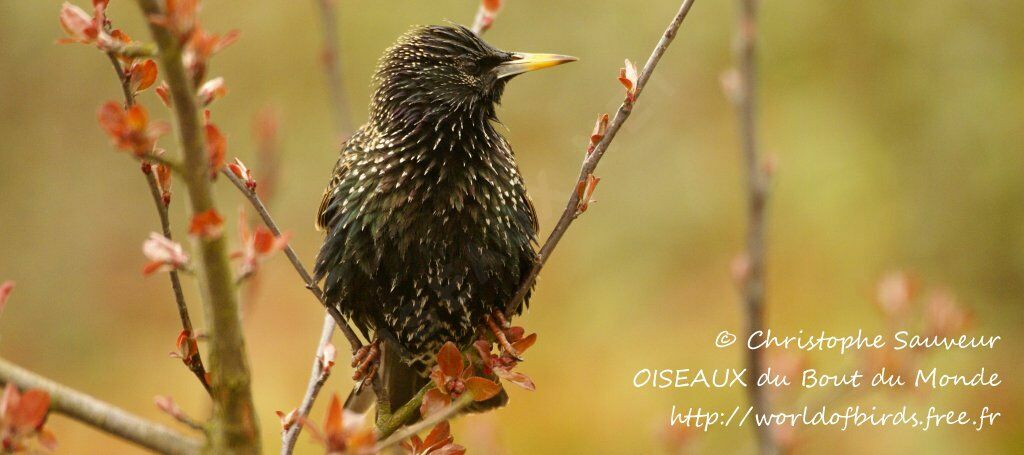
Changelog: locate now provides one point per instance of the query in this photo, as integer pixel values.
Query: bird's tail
(396, 381)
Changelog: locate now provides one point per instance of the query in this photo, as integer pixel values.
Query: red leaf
(449, 359)
(31, 411)
(206, 225)
(79, 25)
(164, 254)
(216, 148)
(491, 6)
(585, 193)
(439, 434)
(600, 128)
(163, 180)
(130, 129)
(142, 75)
(164, 92)
(516, 378)
(482, 389)
(333, 423)
(628, 77)
(243, 173)
(522, 345)
(435, 400)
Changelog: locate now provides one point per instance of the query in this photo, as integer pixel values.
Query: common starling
(428, 226)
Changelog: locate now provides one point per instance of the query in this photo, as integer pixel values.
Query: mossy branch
(234, 427)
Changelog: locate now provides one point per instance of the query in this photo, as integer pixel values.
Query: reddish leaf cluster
(243, 173)
(130, 129)
(453, 377)
(141, 75)
(501, 364)
(257, 245)
(84, 28)
(201, 47)
(22, 417)
(206, 225)
(164, 254)
(438, 442)
(629, 78)
(343, 432)
(181, 19)
(187, 348)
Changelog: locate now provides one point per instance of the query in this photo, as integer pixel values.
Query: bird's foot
(366, 360)
(498, 326)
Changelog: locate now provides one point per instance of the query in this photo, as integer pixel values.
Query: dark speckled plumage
(428, 225)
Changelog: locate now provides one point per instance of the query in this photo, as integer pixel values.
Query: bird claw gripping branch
(366, 360)
(498, 326)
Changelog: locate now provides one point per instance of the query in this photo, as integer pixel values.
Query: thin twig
(400, 435)
(592, 159)
(317, 378)
(103, 416)
(234, 427)
(332, 66)
(753, 280)
(307, 279)
(196, 362)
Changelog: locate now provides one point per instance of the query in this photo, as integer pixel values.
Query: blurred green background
(898, 129)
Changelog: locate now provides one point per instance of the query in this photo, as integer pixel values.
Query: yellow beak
(523, 62)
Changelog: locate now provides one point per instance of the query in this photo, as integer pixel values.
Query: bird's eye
(488, 63)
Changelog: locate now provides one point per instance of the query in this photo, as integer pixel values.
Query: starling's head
(449, 67)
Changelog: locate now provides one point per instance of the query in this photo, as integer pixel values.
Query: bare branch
(103, 416)
(332, 66)
(592, 159)
(234, 427)
(195, 363)
(757, 195)
(261, 209)
(317, 378)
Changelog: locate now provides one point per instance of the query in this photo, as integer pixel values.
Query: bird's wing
(323, 214)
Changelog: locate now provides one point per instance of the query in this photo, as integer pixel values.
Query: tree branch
(757, 189)
(317, 378)
(592, 159)
(103, 416)
(195, 363)
(397, 436)
(261, 209)
(332, 67)
(389, 423)
(234, 427)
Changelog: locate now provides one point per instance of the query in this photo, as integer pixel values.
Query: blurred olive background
(897, 126)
